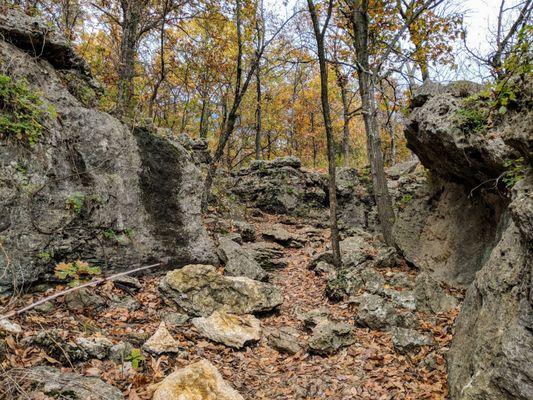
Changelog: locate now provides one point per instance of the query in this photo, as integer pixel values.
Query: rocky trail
(94, 332)
(245, 302)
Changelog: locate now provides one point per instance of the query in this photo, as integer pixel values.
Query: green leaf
(502, 110)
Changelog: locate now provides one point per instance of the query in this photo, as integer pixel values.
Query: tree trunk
(258, 115)
(204, 116)
(370, 116)
(332, 187)
(229, 125)
(131, 19)
(341, 81)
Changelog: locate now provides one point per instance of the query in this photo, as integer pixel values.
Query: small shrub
(45, 256)
(22, 111)
(136, 358)
(78, 271)
(516, 170)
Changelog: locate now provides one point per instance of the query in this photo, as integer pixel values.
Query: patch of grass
(22, 111)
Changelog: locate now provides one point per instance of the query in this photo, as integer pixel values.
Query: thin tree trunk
(231, 120)
(260, 31)
(131, 19)
(341, 81)
(204, 116)
(370, 116)
(258, 115)
(332, 187)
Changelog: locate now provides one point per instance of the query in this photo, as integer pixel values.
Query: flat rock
(199, 290)
(96, 347)
(67, 385)
(238, 261)
(230, 329)
(269, 255)
(404, 299)
(285, 339)
(198, 381)
(161, 341)
(279, 234)
(407, 340)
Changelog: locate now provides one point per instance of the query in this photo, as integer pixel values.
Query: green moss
(76, 201)
(22, 111)
(473, 116)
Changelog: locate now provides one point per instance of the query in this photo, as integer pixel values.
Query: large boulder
(90, 188)
(492, 349)
(486, 240)
(200, 290)
(198, 381)
(280, 186)
(448, 145)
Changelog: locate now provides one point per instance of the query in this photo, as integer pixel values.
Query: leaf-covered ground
(368, 369)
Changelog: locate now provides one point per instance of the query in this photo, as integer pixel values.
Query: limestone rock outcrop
(477, 237)
(91, 188)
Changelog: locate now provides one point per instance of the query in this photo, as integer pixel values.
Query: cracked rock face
(197, 381)
(200, 290)
(229, 329)
(478, 239)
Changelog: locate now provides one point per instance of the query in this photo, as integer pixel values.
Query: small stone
(230, 329)
(239, 262)
(198, 381)
(246, 230)
(329, 336)
(9, 328)
(161, 342)
(401, 280)
(120, 352)
(373, 312)
(127, 302)
(324, 268)
(97, 347)
(175, 319)
(280, 235)
(128, 282)
(84, 299)
(405, 298)
(314, 317)
(45, 308)
(407, 340)
(285, 339)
